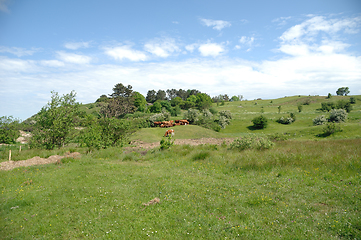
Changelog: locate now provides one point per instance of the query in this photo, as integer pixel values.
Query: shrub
(331, 128)
(226, 113)
(252, 141)
(329, 95)
(287, 120)
(338, 115)
(307, 101)
(299, 108)
(260, 122)
(327, 106)
(192, 115)
(352, 100)
(165, 144)
(342, 104)
(8, 130)
(320, 120)
(223, 122)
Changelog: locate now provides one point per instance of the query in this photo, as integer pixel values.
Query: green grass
(307, 187)
(296, 190)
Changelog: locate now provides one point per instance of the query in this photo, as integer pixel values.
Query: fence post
(9, 155)
(20, 149)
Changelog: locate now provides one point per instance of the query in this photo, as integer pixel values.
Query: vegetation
(343, 91)
(9, 131)
(260, 122)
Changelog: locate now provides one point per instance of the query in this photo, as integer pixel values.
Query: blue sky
(258, 49)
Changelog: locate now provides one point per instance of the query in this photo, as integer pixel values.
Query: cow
(169, 133)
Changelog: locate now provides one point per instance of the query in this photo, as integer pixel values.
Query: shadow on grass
(252, 128)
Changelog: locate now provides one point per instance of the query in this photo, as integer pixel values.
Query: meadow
(305, 187)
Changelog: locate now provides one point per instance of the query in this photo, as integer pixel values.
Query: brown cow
(169, 133)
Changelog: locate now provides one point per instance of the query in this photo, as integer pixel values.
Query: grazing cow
(169, 133)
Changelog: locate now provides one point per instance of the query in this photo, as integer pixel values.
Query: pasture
(306, 187)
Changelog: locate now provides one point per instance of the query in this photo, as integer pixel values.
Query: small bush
(352, 100)
(327, 106)
(166, 143)
(331, 128)
(307, 101)
(260, 122)
(338, 115)
(287, 120)
(299, 108)
(252, 141)
(278, 137)
(320, 120)
(342, 104)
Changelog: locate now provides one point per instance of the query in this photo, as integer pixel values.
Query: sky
(258, 49)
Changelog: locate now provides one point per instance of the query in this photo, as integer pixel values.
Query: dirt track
(8, 165)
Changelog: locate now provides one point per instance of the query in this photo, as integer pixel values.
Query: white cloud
(162, 47)
(76, 45)
(125, 52)
(52, 63)
(216, 24)
(191, 47)
(16, 65)
(211, 49)
(73, 58)
(18, 51)
(281, 20)
(308, 30)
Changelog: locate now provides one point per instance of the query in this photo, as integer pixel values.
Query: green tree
(139, 101)
(156, 107)
(234, 99)
(8, 129)
(203, 101)
(161, 95)
(343, 91)
(55, 121)
(151, 96)
(176, 101)
(260, 122)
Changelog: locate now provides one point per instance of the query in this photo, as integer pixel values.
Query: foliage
(252, 141)
(342, 104)
(55, 121)
(139, 101)
(279, 109)
(320, 120)
(338, 115)
(329, 95)
(9, 131)
(106, 132)
(331, 128)
(166, 144)
(352, 100)
(192, 115)
(121, 102)
(156, 107)
(342, 91)
(260, 122)
(176, 111)
(327, 106)
(299, 107)
(226, 114)
(203, 101)
(102, 98)
(287, 120)
(307, 101)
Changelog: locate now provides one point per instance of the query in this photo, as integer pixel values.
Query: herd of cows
(171, 123)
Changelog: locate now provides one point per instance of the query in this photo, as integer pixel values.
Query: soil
(8, 165)
(138, 145)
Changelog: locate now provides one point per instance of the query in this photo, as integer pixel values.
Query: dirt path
(8, 165)
(192, 142)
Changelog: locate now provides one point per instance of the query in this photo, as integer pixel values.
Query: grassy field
(307, 187)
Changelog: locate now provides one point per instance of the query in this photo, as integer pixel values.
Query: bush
(165, 144)
(331, 128)
(299, 108)
(223, 122)
(226, 113)
(338, 115)
(8, 130)
(287, 120)
(352, 100)
(320, 120)
(342, 104)
(192, 115)
(252, 141)
(307, 101)
(260, 122)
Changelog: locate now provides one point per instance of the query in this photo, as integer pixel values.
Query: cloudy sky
(258, 49)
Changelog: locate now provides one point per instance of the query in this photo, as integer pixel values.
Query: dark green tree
(151, 96)
(343, 91)
(161, 95)
(139, 101)
(203, 101)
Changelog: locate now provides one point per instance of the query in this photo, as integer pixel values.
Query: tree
(121, 102)
(343, 91)
(139, 101)
(172, 93)
(260, 122)
(156, 107)
(161, 95)
(55, 121)
(8, 130)
(203, 101)
(234, 99)
(151, 96)
(176, 101)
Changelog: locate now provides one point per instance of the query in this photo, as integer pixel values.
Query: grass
(307, 187)
(303, 190)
